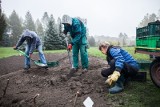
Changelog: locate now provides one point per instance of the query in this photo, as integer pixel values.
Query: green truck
(148, 42)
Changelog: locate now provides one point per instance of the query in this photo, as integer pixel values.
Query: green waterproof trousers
(83, 54)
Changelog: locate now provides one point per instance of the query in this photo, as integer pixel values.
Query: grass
(93, 51)
(137, 94)
(142, 95)
(137, 56)
(7, 52)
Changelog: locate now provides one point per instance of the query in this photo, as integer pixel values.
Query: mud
(51, 88)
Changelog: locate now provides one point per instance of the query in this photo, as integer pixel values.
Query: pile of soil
(50, 88)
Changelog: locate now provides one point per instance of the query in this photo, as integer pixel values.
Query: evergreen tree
(152, 17)
(59, 26)
(22, 22)
(7, 33)
(29, 23)
(45, 20)
(158, 14)
(3, 25)
(91, 41)
(123, 39)
(6, 39)
(61, 35)
(147, 19)
(16, 26)
(52, 41)
(39, 29)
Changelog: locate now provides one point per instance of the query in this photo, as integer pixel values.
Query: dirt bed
(51, 88)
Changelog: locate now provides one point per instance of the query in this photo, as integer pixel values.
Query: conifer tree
(29, 23)
(3, 24)
(52, 41)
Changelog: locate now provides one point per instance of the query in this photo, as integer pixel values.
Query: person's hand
(30, 55)
(69, 47)
(112, 78)
(15, 48)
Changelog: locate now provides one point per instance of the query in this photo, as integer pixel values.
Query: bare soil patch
(50, 88)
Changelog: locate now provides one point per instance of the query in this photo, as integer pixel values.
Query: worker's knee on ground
(105, 73)
(102, 73)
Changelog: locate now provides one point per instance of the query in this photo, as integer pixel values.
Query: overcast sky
(105, 17)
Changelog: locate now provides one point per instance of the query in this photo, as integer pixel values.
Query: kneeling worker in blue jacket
(122, 66)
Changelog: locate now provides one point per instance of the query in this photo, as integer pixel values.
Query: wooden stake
(75, 100)
(34, 98)
(5, 89)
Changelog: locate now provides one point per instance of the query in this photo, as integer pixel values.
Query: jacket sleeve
(116, 54)
(77, 34)
(20, 41)
(33, 45)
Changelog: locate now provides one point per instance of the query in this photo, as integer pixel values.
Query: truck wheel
(155, 72)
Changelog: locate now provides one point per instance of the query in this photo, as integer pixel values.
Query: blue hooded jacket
(32, 40)
(77, 31)
(121, 56)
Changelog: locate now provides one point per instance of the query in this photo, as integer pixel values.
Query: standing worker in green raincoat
(77, 32)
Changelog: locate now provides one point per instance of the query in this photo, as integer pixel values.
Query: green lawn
(93, 51)
(137, 56)
(7, 52)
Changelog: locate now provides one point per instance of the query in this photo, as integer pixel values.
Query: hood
(27, 33)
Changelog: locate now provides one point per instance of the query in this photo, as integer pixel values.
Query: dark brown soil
(54, 89)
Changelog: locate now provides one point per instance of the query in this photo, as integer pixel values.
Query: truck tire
(155, 72)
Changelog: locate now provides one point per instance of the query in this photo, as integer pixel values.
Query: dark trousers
(127, 71)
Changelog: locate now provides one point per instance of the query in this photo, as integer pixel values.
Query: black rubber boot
(26, 68)
(119, 86)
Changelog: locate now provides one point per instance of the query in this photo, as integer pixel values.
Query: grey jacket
(32, 40)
